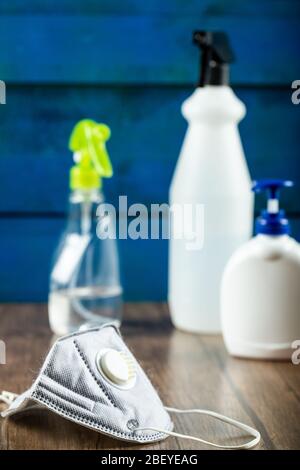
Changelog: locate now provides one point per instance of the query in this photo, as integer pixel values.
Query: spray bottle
(84, 283)
(212, 173)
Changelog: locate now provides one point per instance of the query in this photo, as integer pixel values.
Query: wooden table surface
(188, 371)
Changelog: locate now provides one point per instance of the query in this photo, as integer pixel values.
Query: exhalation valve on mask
(91, 378)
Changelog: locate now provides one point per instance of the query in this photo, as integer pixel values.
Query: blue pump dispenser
(260, 292)
(272, 221)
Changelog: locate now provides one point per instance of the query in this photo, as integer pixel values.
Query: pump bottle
(85, 289)
(211, 173)
(260, 295)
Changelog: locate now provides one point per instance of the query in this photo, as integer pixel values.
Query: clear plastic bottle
(85, 287)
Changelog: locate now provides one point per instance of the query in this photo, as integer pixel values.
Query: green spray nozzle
(92, 163)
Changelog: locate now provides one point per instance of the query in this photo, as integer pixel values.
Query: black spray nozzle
(216, 55)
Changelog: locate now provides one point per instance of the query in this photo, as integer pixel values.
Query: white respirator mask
(91, 378)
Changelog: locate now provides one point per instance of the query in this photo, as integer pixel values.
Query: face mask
(92, 378)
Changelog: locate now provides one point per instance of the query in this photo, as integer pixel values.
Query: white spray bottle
(211, 174)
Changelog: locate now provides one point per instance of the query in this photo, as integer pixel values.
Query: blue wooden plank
(143, 48)
(147, 131)
(217, 7)
(27, 246)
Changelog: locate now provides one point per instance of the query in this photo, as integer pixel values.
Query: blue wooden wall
(130, 64)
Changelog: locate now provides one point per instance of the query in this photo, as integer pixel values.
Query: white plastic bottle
(260, 295)
(212, 172)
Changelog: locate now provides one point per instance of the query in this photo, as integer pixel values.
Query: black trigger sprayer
(216, 55)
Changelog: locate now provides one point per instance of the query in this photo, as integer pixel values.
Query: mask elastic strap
(248, 445)
(7, 397)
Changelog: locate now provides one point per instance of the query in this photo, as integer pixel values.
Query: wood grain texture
(187, 370)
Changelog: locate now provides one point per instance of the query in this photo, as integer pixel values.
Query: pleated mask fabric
(72, 384)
